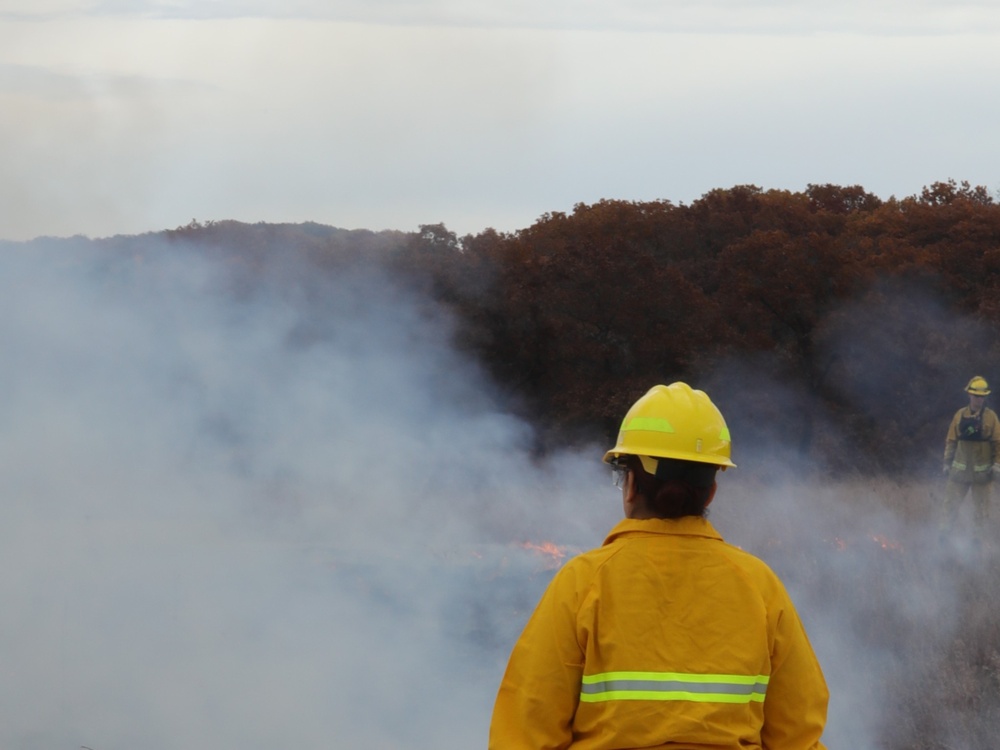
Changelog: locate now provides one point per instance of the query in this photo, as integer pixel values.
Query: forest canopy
(832, 327)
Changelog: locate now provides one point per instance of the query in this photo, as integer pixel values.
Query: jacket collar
(686, 526)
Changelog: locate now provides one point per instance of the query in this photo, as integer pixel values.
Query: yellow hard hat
(978, 386)
(674, 421)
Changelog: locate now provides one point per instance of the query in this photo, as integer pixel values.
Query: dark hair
(679, 488)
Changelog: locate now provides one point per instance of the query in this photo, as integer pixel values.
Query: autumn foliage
(834, 329)
(829, 325)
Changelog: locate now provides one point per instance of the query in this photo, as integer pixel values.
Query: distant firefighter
(971, 455)
(666, 636)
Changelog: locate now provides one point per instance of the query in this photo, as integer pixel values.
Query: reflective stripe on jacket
(664, 637)
(970, 461)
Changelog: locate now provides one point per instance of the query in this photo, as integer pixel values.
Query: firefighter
(665, 636)
(971, 455)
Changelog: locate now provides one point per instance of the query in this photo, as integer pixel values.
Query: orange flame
(553, 553)
(886, 543)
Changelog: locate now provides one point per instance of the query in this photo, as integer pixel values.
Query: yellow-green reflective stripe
(741, 679)
(673, 686)
(672, 695)
(651, 424)
(654, 424)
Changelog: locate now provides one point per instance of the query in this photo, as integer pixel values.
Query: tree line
(829, 325)
(832, 327)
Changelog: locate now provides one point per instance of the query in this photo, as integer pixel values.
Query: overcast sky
(125, 116)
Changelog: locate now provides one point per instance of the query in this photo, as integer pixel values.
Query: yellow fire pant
(954, 495)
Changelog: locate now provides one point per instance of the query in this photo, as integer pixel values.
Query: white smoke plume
(238, 517)
(263, 507)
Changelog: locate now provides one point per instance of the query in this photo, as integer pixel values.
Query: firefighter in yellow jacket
(666, 636)
(971, 454)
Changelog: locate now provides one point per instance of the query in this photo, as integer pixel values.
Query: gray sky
(129, 116)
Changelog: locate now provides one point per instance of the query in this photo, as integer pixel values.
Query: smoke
(893, 601)
(257, 503)
(251, 507)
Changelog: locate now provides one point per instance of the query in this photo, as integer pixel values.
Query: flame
(886, 543)
(553, 553)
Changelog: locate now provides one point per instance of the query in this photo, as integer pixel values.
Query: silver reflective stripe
(673, 686)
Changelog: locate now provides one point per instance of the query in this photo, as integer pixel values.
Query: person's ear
(628, 494)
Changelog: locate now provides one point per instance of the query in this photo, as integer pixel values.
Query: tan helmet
(978, 386)
(673, 421)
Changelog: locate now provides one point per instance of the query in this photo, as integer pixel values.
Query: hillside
(286, 459)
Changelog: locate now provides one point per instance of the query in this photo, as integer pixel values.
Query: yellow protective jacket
(664, 637)
(969, 458)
